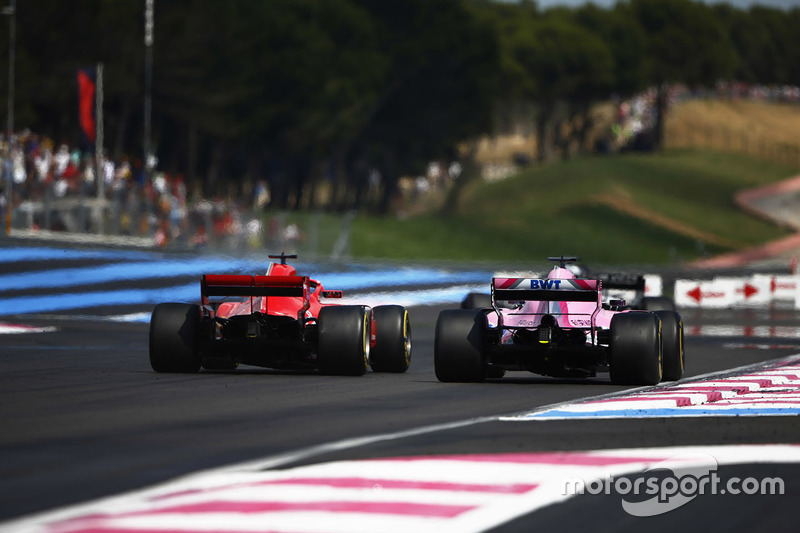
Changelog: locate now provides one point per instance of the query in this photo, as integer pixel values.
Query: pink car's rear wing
(560, 294)
(548, 290)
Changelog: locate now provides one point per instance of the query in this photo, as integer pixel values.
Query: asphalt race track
(84, 417)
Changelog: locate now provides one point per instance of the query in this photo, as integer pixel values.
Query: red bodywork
(269, 320)
(281, 292)
(277, 320)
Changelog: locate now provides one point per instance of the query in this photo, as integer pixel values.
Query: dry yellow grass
(780, 122)
(767, 130)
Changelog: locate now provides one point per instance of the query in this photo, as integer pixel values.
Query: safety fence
(724, 292)
(207, 224)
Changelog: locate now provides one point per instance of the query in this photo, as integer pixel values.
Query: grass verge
(625, 209)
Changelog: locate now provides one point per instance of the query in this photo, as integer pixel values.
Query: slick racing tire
(459, 346)
(392, 349)
(658, 303)
(173, 338)
(635, 348)
(672, 345)
(476, 300)
(343, 340)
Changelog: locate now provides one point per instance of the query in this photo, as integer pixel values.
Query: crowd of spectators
(59, 188)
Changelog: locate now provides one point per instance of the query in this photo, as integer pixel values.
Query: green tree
(765, 40)
(554, 60)
(685, 43)
(625, 39)
(438, 89)
(53, 40)
(286, 88)
(273, 85)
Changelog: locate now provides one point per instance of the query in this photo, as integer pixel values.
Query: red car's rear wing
(548, 290)
(243, 285)
(254, 286)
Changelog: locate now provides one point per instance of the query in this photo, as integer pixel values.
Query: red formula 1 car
(277, 321)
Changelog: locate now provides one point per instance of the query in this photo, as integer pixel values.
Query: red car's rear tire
(392, 349)
(344, 342)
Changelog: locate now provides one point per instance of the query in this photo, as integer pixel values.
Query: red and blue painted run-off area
(42, 279)
(772, 389)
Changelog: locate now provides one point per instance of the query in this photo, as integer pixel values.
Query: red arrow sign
(748, 290)
(698, 295)
(695, 294)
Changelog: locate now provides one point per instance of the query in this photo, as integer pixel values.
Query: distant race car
(277, 321)
(558, 326)
(631, 288)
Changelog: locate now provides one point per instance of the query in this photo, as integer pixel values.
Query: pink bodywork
(568, 313)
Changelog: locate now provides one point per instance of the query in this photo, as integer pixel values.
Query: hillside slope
(623, 209)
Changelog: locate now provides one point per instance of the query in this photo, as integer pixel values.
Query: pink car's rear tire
(459, 346)
(173, 338)
(635, 348)
(672, 344)
(392, 350)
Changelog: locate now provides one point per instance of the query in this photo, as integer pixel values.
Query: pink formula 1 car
(277, 321)
(558, 326)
